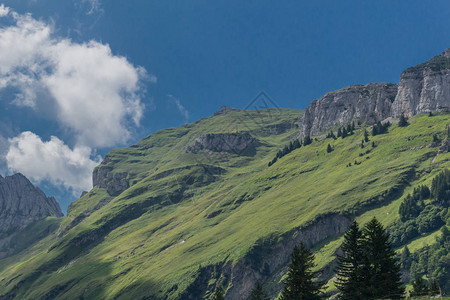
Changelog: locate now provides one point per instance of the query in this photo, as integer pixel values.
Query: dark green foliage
(413, 204)
(300, 282)
(329, 149)
(420, 287)
(286, 150)
(339, 132)
(353, 126)
(368, 268)
(258, 293)
(366, 135)
(405, 259)
(218, 295)
(307, 141)
(362, 144)
(379, 128)
(373, 144)
(344, 133)
(350, 265)
(434, 288)
(331, 135)
(436, 139)
(440, 188)
(430, 114)
(403, 122)
(380, 268)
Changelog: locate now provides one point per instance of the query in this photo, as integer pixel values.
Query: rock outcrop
(424, 88)
(364, 103)
(114, 182)
(21, 204)
(238, 143)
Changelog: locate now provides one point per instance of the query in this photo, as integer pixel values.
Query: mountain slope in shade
(21, 204)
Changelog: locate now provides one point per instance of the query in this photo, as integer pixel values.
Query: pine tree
(434, 288)
(344, 133)
(420, 287)
(366, 135)
(300, 283)
(350, 264)
(307, 141)
(339, 132)
(405, 259)
(218, 295)
(258, 293)
(403, 122)
(329, 149)
(381, 269)
(353, 126)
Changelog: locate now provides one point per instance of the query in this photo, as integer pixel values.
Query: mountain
(189, 209)
(423, 88)
(21, 205)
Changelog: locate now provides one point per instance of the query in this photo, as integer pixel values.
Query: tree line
(367, 268)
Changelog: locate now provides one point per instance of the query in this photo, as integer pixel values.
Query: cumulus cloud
(181, 109)
(51, 160)
(95, 94)
(4, 11)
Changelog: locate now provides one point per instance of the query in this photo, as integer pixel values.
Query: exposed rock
(21, 203)
(424, 88)
(365, 103)
(238, 143)
(265, 261)
(114, 182)
(223, 110)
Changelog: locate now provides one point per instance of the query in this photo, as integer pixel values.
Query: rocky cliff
(238, 143)
(422, 89)
(21, 204)
(365, 103)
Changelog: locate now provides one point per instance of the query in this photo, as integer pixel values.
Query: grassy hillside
(187, 217)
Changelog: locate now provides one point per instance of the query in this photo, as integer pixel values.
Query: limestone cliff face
(114, 183)
(365, 103)
(21, 204)
(238, 143)
(424, 88)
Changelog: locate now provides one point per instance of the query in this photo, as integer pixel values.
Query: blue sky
(99, 74)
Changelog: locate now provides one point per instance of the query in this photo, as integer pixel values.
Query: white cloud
(181, 109)
(52, 160)
(95, 94)
(4, 11)
(94, 6)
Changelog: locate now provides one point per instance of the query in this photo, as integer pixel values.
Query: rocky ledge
(238, 143)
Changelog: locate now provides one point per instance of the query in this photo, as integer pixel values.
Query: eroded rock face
(238, 143)
(365, 103)
(424, 88)
(265, 260)
(21, 204)
(114, 182)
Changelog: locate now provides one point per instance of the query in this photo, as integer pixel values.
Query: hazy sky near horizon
(81, 77)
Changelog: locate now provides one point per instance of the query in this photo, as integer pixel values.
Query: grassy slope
(153, 237)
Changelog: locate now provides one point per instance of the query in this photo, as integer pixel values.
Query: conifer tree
(350, 265)
(300, 282)
(307, 141)
(403, 122)
(353, 126)
(381, 270)
(366, 136)
(344, 133)
(405, 258)
(420, 287)
(329, 149)
(434, 288)
(258, 293)
(339, 132)
(218, 295)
